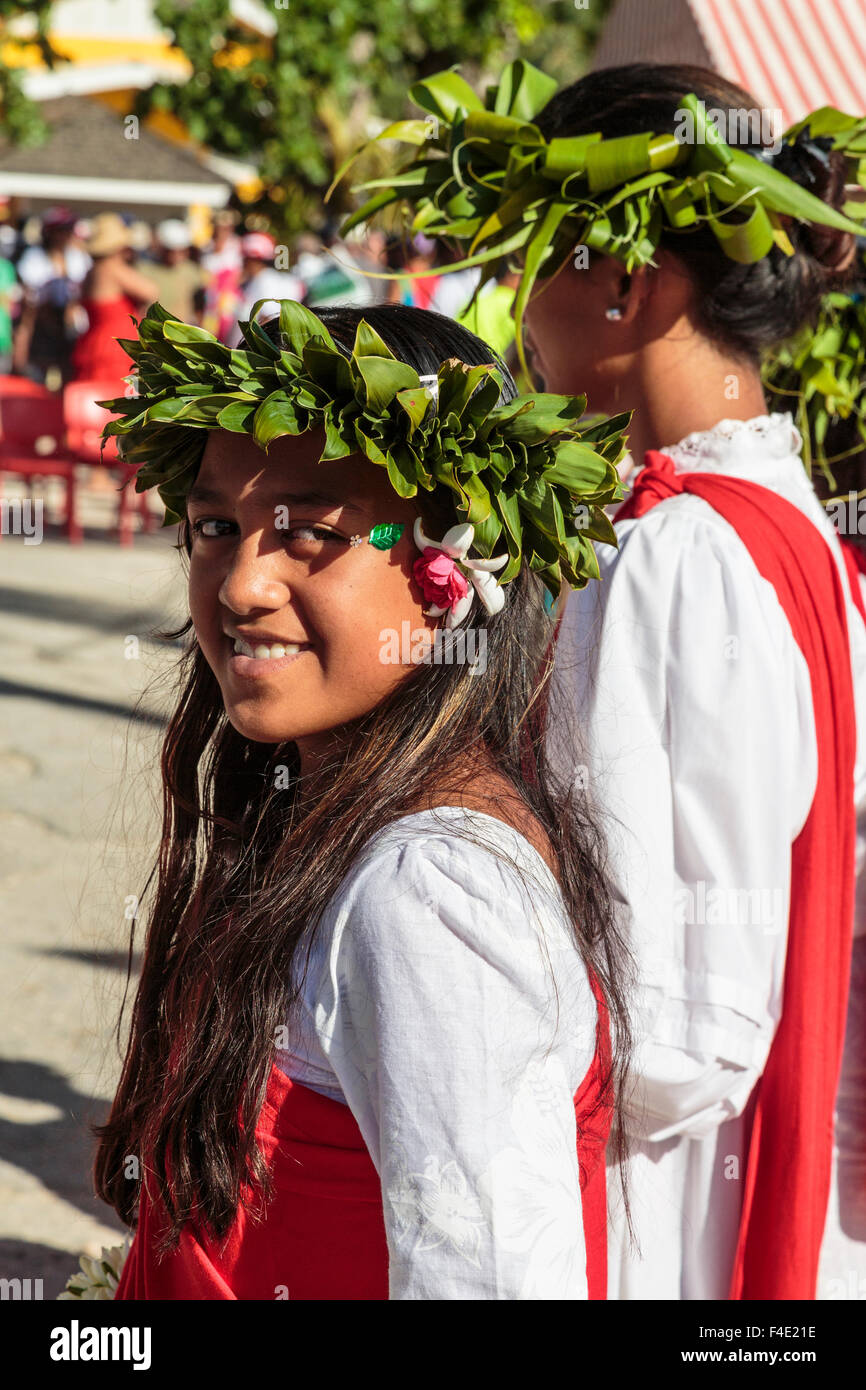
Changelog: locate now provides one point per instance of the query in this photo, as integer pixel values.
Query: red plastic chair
(85, 421)
(32, 441)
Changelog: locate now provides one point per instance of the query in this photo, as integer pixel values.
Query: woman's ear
(624, 293)
(653, 296)
(633, 290)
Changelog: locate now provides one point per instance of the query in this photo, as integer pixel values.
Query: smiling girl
(379, 1030)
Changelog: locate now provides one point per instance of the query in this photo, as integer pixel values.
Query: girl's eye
(211, 527)
(308, 539)
(302, 540)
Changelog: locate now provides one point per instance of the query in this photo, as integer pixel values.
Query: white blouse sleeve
(440, 1023)
(696, 705)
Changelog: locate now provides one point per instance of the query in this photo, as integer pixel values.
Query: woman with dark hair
(665, 243)
(369, 1054)
(713, 723)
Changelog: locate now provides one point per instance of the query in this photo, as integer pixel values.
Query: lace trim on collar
(774, 436)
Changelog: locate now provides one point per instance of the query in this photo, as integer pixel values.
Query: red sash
(789, 1120)
(323, 1236)
(593, 1110)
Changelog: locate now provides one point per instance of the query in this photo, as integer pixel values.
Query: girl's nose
(255, 579)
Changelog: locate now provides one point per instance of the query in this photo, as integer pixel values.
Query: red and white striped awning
(792, 55)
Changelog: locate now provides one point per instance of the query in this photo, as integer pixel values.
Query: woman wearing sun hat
(113, 291)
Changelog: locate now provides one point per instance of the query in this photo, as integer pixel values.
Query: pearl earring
(614, 313)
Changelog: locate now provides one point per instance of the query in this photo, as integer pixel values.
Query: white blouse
(695, 704)
(447, 1005)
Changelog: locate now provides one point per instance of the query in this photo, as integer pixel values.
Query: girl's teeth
(263, 653)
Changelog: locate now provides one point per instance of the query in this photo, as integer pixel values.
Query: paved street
(80, 724)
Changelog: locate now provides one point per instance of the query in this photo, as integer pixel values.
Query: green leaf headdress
(524, 475)
(485, 176)
(820, 375)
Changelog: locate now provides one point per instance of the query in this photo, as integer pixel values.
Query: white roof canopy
(112, 192)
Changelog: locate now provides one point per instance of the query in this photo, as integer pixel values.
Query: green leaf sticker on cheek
(386, 534)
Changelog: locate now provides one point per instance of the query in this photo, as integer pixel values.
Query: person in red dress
(113, 291)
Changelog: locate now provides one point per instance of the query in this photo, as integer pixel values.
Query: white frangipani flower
(98, 1278)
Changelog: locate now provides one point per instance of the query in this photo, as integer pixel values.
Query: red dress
(96, 355)
(323, 1237)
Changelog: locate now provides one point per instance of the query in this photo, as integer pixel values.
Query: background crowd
(69, 286)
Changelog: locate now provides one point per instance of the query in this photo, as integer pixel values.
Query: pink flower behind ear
(441, 581)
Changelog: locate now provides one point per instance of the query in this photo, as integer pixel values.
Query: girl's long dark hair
(246, 867)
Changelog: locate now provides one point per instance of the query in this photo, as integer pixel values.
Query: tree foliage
(298, 103)
(20, 119)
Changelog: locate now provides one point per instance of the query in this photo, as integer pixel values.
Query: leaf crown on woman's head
(485, 176)
(820, 375)
(524, 474)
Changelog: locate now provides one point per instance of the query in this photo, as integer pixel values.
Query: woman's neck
(684, 384)
(473, 782)
(320, 756)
